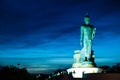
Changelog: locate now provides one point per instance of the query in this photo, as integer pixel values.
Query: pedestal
(79, 72)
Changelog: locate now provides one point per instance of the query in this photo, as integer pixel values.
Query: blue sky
(42, 35)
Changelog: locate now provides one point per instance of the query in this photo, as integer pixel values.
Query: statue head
(87, 19)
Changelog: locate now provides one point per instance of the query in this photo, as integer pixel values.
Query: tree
(14, 73)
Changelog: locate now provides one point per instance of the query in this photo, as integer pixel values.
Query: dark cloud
(50, 19)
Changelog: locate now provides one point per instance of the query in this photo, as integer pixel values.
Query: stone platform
(102, 76)
(79, 72)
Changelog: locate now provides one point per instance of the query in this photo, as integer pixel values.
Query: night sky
(41, 35)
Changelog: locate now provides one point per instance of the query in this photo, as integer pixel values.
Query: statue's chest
(87, 29)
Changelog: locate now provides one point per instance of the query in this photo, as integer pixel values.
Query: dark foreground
(14, 73)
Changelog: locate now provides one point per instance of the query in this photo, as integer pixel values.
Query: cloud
(108, 26)
(50, 30)
(107, 61)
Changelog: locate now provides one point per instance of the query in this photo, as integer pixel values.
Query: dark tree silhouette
(14, 73)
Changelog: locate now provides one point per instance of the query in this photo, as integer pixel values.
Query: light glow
(78, 72)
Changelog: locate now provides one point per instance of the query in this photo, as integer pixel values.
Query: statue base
(76, 65)
(87, 64)
(79, 72)
(84, 64)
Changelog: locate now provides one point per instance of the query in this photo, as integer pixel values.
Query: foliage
(113, 69)
(14, 73)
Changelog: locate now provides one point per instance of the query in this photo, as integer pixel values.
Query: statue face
(87, 20)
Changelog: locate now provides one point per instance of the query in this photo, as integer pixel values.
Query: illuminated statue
(86, 38)
(84, 59)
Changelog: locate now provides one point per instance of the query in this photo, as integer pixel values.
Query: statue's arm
(82, 34)
(94, 31)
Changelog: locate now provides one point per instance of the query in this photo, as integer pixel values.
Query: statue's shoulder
(82, 26)
(89, 25)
